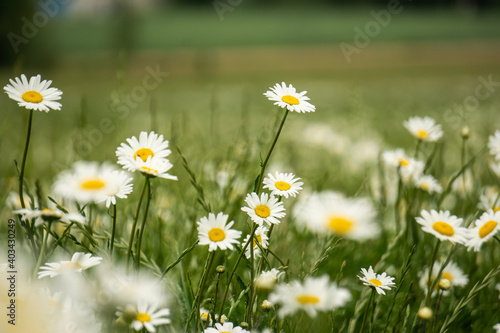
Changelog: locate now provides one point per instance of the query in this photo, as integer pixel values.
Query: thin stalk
(42, 250)
(234, 269)
(132, 233)
(113, 230)
(148, 182)
(417, 148)
(23, 164)
(201, 286)
(370, 301)
(437, 311)
(215, 297)
(429, 276)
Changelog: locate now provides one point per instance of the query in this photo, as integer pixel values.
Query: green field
(211, 106)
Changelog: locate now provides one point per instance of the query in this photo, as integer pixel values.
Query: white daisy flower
(494, 144)
(120, 187)
(227, 327)
(214, 232)
(377, 281)
(14, 201)
(264, 209)
(283, 184)
(155, 167)
(262, 238)
(148, 316)
(428, 184)
(148, 146)
(496, 327)
(464, 184)
(90, 182)
(79, 262)
(267, 279)
(287, 97)
(313, 295)
(330, 212)
(486, 227)
(424, 129)
(443, 225)
(451, 272)
(35, 94)
(495, 167)
(46, 215)
(408, 167)
(490, 199)
(205, 316)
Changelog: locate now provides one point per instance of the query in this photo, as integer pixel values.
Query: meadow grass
(220, 128)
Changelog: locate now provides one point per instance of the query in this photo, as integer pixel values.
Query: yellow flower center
(70, 266)
(403, 162)
(216, 234)
(307, 299)
(32, 97)
(145, 168)
(143, 317)
(443, 228)
(259, 239)
(425, 186)
(487, 228)
(205, 316)
(496, 209)
(262, 211)
(290, 100)
(422, 134)
(143, 153)
(340, 225)
(93, 184)
(375, 282)
(447, 275)
(282, 186)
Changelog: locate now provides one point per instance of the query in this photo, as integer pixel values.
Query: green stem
(429, 276)
(113, 230)
(199, 294)
(417, 148)
(234, 269)
(370, 301)
(437, 311)
(138, 262)
(132, 232)
(42, 250)
(23, 164)
(258, 184)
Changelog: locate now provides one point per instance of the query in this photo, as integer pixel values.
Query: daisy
(264, 209)
(408, 168)
(313, 295)
(486, 227)
(90, 182)
(494, 144)
(46, 215)
(148, 316)
(120, 187)
(428, 184)
(424, 129)
(214, 231)
(490, 199)
(155, 167)
(205, 316)
(443, 225)
(377, 281)
(35, 94)
(79, 262)
(267, 279)
(330, 212)
(495, 167)
(262, 238)
(451, 272)
(287, 97)
(227, 327)
(283, 184)
(148, 146)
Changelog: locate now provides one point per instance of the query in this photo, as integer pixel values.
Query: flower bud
(425, 313)
(444, 284)
(266, 305)
(465, 132)
(220, 269)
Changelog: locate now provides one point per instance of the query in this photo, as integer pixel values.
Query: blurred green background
(425, 58)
